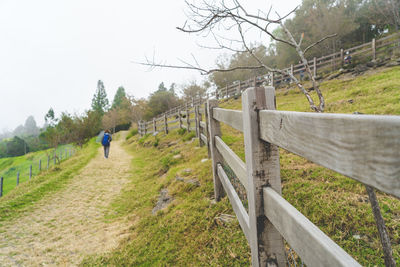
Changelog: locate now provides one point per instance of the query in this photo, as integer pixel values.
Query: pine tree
(119, 98)
(100, 102)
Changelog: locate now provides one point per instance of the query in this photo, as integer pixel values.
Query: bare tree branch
(323, 39)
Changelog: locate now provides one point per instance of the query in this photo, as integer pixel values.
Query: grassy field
(26, 194)
(9, 167)
(188, 231)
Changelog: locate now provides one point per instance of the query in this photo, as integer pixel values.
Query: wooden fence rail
(332, 61)
(365, 148)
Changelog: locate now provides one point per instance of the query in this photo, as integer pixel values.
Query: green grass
(186, 234)
(9, 167)
(27, 194)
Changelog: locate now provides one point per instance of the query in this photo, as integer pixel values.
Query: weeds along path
(65, 227)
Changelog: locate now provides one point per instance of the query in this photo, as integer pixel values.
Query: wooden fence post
(226, 91)
(373, 43)
(196, 121)
(315, 67)
(17, 178)
(263, 169)
(272, 78)
(238, 90)
(1, 186)
(180, 118)
(30, 172)
(216, 94)
(187, 118)
(40, 165)
(200, 118)
(215, 130)
(207, 131)
(154, 125)
(341, 57)
(165, 124)
(291, 71)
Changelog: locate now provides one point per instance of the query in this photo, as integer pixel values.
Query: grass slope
(10, 166)
(187, 233)
(25, 195)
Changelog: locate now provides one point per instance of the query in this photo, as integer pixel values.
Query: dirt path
(70, 224)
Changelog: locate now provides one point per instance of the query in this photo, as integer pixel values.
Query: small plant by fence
(362, 147)
(13, 176)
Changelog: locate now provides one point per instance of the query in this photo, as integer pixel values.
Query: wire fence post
(1, 186)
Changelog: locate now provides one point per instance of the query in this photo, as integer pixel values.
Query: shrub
(189, 136)
(182, 131)
(131, 133)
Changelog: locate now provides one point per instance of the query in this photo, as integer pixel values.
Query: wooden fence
(368, 51)
(363, 147)
(57, 156)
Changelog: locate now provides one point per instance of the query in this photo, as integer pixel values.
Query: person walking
(106, 143)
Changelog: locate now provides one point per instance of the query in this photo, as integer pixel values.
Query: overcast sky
(53, 52)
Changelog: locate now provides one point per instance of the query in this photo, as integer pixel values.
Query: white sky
(53, 52)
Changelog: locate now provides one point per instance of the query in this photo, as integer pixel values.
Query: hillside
(194, 230)
(9, 167)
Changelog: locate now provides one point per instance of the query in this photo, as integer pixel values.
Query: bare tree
(224, 18)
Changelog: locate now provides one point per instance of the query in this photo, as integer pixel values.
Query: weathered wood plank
(203, 124)
(231, 117)
(214, 130)
(184, 126)
(173, 121)
(310, 243)
(204, 138)
(173, 127)
(263, 169)
(234, 162)
(365, 148)
(236, 203)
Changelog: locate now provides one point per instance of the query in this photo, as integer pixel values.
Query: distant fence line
(318, 65)
(57, 156)
(362, 147)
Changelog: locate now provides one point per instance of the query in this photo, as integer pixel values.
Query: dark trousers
(106, 151)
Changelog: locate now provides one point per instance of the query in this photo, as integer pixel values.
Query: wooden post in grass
(196, 121)
(341, 57)
(30, 172)
(238, 89)
(1, 186)
(40, 165)
(199, 119)
(373, 44)
(315, 67)
(262, 165)
(17, 178)
(215, 130)
(154, 125)
(291, 71)
(207, 131)
(165, 123)
(187, 118)
(180, 118)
